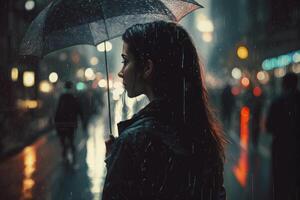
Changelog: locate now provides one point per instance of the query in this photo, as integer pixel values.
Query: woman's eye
(125, 62)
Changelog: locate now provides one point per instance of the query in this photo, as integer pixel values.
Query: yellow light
(27, 104)
(14, 74)
(29, 168)
(28, 79)
(53, 77)
(100, 47)
(31, 104)
(207, 37)
(45, 86)
(242, 52)
(94, 61)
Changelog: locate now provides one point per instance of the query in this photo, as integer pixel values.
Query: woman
(173, 148)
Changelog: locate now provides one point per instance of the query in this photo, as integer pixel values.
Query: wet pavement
(38, 172)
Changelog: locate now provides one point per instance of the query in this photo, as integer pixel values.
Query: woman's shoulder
(140, 130)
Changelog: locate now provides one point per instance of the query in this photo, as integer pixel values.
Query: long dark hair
(177, 66)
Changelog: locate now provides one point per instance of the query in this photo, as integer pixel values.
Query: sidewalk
(38, 172)
(21, 129)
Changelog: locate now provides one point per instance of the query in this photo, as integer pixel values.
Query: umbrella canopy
(65, 23)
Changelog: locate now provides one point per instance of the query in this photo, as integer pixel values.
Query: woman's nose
(120, 74)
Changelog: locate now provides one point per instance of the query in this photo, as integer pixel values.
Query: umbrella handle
(108, 90)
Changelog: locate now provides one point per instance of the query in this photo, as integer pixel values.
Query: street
(38, 172)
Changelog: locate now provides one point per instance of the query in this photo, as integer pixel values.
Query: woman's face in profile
(132, 77)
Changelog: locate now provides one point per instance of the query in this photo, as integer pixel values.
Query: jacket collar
(162, 109)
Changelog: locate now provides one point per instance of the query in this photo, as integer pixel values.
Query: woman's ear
(148, 69)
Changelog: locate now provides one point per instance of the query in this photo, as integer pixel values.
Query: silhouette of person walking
(283, 121)
(66, 116)
(228, 104)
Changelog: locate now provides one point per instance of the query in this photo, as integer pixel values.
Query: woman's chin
(132, 95)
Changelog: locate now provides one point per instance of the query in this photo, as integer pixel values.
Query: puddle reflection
(95, 158)
(241, 169)
(29, 168)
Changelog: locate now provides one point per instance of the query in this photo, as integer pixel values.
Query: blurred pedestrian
(66, 117)
(228, 105)
(173, 148)
(283, 121)
(256, 108)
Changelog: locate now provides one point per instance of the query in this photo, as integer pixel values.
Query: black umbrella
(65, 23)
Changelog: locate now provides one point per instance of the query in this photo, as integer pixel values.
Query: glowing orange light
(245, 116)
(241, 169)
(235, 91)
(242, 52)
(29, 169)
(245, 81)
(257, 91)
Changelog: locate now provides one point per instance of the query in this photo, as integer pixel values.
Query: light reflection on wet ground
(95, 157)
(29, 168)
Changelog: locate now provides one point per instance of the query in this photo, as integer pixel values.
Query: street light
(242, 52)
(14, 74)
(45, 86)
(28, 78)
(29, 5)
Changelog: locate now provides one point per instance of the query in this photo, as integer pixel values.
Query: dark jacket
(149, 161)
(67, 111)
(283, 122)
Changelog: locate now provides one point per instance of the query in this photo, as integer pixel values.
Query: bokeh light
(45, 87)
(257, 91)
(53, 77)
(296, 68)
(14, 74)
(28, 79)
(296, 57)
(279, 72)
(102, 83)
(263, 77)
(94, 60)
(80, 73)
(207, 37)
(236, 73)
(101, 47)
(89, 74)
(80, 86)
(205, 25)
(245, 81)
(29, 5)
(242, 52)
